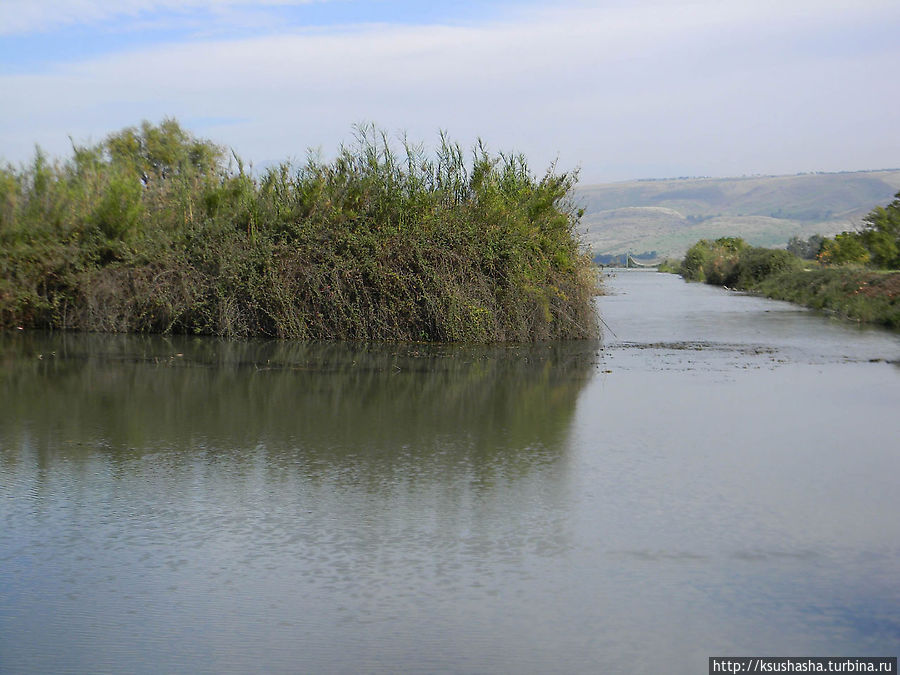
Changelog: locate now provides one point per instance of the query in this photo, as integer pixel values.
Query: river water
(718, 478)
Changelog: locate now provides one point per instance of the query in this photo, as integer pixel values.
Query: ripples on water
(718, 479)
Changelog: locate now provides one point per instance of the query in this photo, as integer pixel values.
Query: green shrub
(881, 234)
(714, 262)
(696, 259)
(845, 248)
(858, 294)
(670, 266)
(876, 245)
(756, 264)
(846, 290)
(152, 230)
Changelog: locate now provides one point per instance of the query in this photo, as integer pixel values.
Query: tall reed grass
(155, 230)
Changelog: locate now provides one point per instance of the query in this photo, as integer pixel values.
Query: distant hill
(667, 216)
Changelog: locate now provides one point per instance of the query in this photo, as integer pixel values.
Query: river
(719, 477)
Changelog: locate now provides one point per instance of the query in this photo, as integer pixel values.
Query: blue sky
(646, 88)
(39, 39)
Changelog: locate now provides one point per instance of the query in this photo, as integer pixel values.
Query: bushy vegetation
(848, 275)
(876, 244)
(154, 230)
(670, 266)
(863, 295)
(730, 261)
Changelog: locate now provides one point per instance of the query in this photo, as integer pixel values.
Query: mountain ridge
(668, 215)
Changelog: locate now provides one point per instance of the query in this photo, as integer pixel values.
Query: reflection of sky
(662, 516)
(709, 327)
(756, 510)
(759, 484)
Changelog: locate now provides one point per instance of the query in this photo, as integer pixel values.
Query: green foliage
(850, 292)
(845, 248)
(878, 244)
(883, 248)
(714, 262)
(731, 262)
(118, 208)
(670, 266)
(152, 231)
(847, 290)
(692, 267)
(162, 152)
(881, 235)
(756, 264)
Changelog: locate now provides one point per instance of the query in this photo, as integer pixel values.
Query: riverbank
(861, 295)
(156, 231)
(849, 291)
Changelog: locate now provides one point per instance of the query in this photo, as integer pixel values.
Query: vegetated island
(155, 230)
(854, 275)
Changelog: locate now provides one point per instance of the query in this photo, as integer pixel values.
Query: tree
(163, 151)
(845, 248)
(881, 234)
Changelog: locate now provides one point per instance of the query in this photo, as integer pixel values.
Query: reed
(154, 230)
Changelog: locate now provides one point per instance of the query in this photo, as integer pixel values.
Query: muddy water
(718, 478)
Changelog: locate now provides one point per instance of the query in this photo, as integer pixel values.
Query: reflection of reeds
(151, 231)
(73, 395)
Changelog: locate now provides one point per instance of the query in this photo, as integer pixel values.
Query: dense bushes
(756, 264)
(876, 244)
(732, 262)
(154, 230)
(859, 294)
(850, 291)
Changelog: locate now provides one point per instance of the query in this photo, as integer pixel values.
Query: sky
(619, 89)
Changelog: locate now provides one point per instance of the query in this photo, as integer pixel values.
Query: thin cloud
(699, 88)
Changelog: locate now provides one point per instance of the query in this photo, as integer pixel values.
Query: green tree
(845, 248)
(159, 152)
(881, 234)
(756, 264)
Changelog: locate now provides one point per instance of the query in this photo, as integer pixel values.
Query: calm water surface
(720, 477)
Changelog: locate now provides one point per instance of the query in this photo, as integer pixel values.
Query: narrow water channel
(719, 477)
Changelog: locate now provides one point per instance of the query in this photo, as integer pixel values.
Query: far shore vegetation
(155, 230)
(854, 274)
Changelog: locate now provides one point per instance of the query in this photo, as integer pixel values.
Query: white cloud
(703, 87)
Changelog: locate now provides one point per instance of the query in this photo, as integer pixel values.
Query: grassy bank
(862, 295)
(154, 230)
(853, 292)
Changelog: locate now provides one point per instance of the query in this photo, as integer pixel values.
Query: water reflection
(364, 407)
(725, 484)
(178, 505)
(681, 327)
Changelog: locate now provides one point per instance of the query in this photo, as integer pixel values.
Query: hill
(667, 216)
